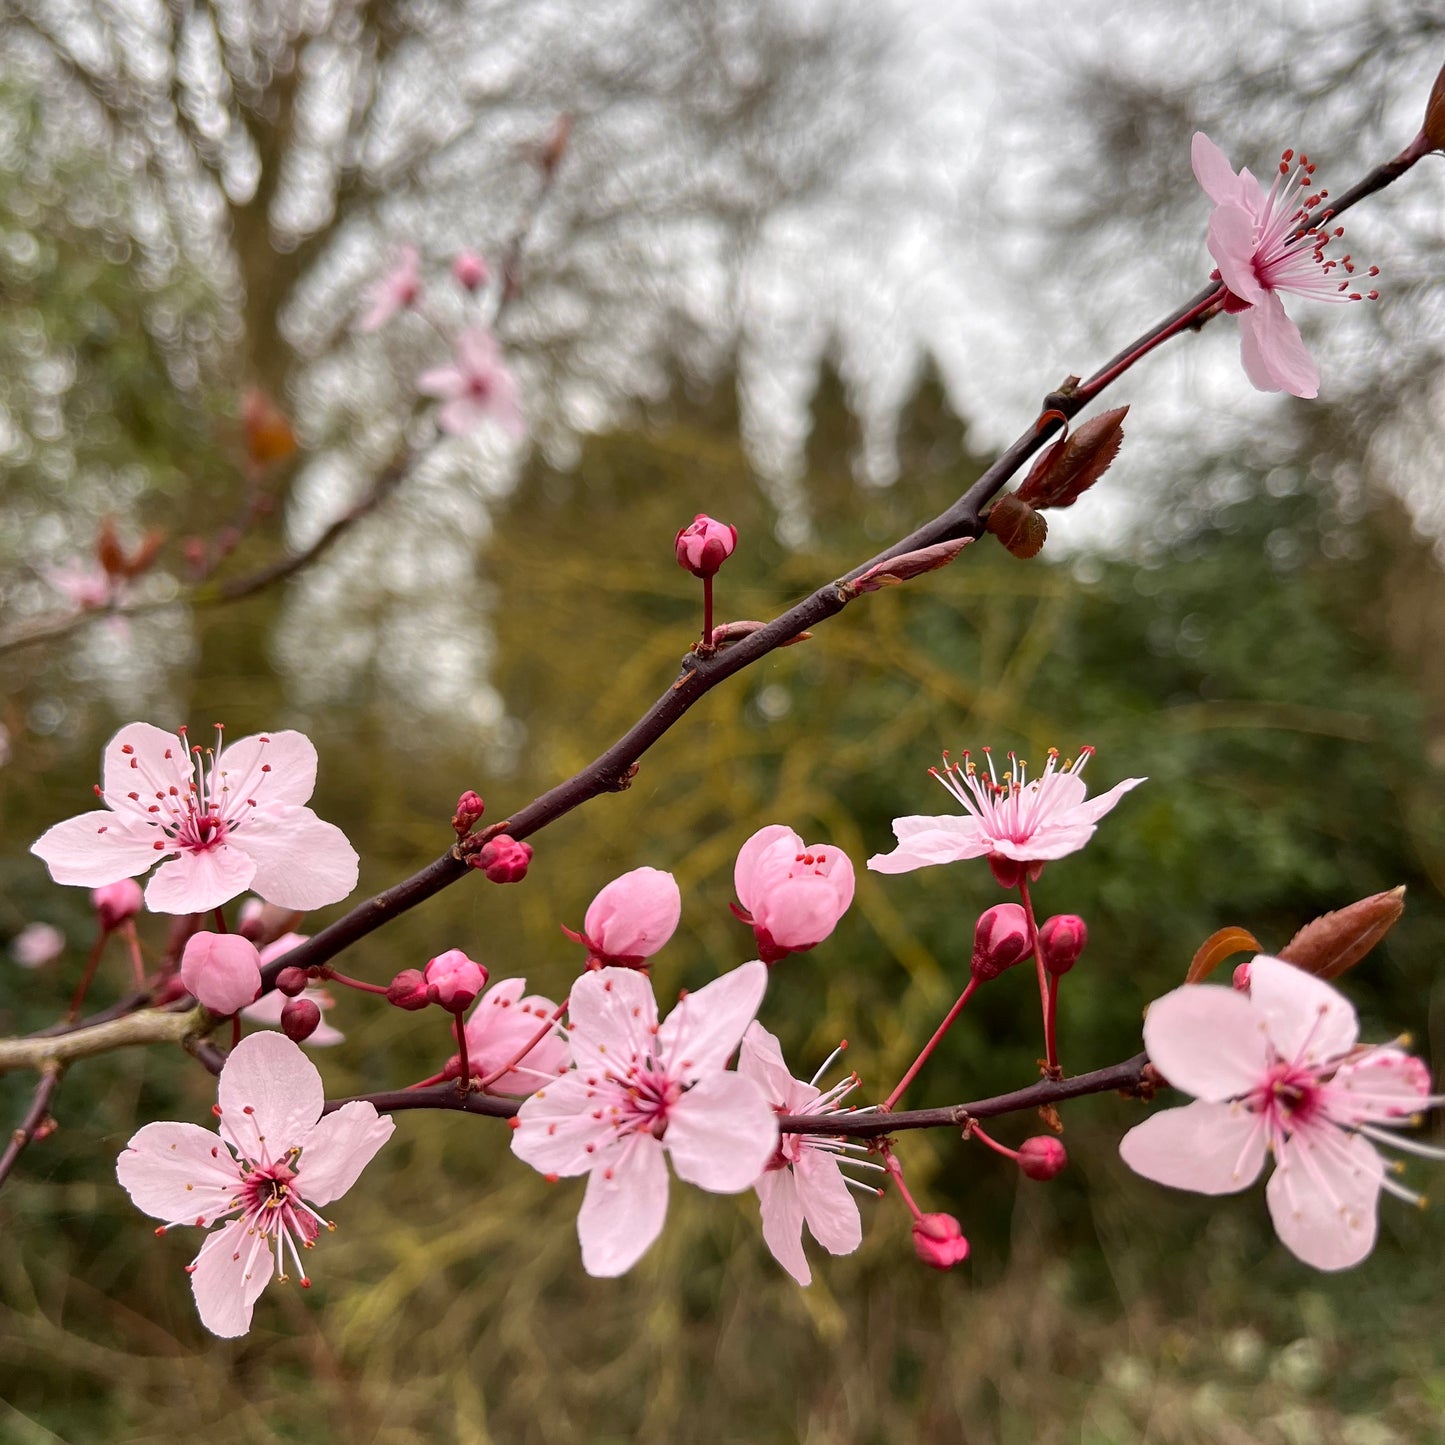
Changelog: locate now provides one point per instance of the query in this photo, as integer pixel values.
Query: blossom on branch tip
(631, 918)
(117, 902)
(222, 971)
(398, 290)
(792, 893)
(704, 545)
(641, 1091)
(1014, 821)
(218, 822)
(803, 1181)
(477, 387)
(275, 1164)
(1260, 250)
(501, 1025)
(1280, 1071)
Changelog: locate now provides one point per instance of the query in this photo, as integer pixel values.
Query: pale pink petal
(1384, 1087)
(300, 861)
(97, 848)
(272, 768)
(1324, 1196)
(156, 762)
(924, 841)
(556, 1132)
(800, 913)
(460, 417)
(222, 970)
(702, 1032)
(1052, 840)
(782, 1213)
(1273, 351)
(227, 1278)
(278, 946)
(1309, 1021)
(507, 410)
(613, 1014)
(761, 1060)
(197, 882)
(501, 1025)
(1207, 1041)
(1092, 809)
(1231, 242)
(447, 381)
(751, 869)
(478, 352)
(634, 915)
(1210, 1148)
(828, 1203)
(269, 1075)
(721, 1134)
(624, 1209)
(335, 1152)
(1212, 170)
(179, 1173)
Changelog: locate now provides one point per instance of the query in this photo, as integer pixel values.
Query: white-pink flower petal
(338, 1148)
(623, 1209)
(721, 1133)
(701, 1033)
(178, 1173)
(1211, 1148)
(1208, 1041)
(1309, 1021)
(227, 1278)
(269, 1093)
(1324, 1197)
(782, 1215)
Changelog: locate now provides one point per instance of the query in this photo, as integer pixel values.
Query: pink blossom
(37, 944)
(117, 902)
(276, 1163)
(641, 1091)
(398, 290)
(217, 825)
(803, 1181)
(631, 918)
(500, 1027)
(476, 388)
(1000, 940)
(266, 1011)
(938, 1240)
(222, 970)
(1019, 820)
(1279, 1071)
(793, 893)
(1256, 242)
(704, 545)
(470, 270)
(84, 583)
(453, 980)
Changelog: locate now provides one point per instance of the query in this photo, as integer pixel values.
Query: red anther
(1289, 154)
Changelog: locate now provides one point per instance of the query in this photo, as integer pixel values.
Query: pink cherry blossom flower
(501, 1025)
(84, 583)
(1257, 244)
(476, 388)
(37, 944)
(117, 903)
(642, 1091)
(226, 822)
(1019, 820)
(398, 290)
(803, 1182)
(631, 918)
(793, 893)
(222, 971)
(266, 1011)
(276, 1163)
(1279, 1071)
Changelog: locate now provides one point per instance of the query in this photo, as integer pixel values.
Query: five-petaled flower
(641, 1090)
(1016, 821)
(793, 893)
(276, 1162)
(218, 823)
(1279, 1071)
(803, 1181)
(398, 290)
(475, 388)
(1257, 241)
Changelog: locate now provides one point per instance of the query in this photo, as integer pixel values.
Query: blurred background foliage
(192, 202)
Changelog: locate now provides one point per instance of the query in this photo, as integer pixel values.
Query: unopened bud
(1042, 1157)
(938, 1240)
(291, 981)
(1240, 981)
(408, 990)
(117, 902)
(264, 923)
(469, 270)
(503, 859)
(704, 545)
(299, 1017)
(1000, 940)
(470, 808)
(1061, 941)
(453, 980)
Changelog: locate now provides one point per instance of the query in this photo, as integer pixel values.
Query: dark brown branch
(35, 1117)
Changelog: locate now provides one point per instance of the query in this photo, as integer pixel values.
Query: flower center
(649, 1092)
(271, 1203)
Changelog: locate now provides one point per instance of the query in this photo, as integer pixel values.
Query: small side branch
(35, 1117)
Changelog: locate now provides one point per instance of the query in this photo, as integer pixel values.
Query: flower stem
(974, 1132)
(347, 982)
(1047, 996)
(932, 1044)
(707, 612)
(464, 1079)
(132, 943)
(895, 1171)
(83, 987)
(1177, 323)
(221, 921)
(530, 1045)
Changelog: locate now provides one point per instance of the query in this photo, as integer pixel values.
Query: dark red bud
(503, 859)
(470, 808)
(408, 990)
(291, 981)
(1061, 941)
(299, 1018)
(1000, 940)
(1042, 1157)
(704, 545)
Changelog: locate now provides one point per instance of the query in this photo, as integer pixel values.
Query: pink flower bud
(632, 917)
(704, 545)
(1240, 980)
(793, 893)
(291, 981)
(1061, 941)
(299, 1018)
(503, 859)
(469, 811)
(36, 944)
(469, 270)
(1000, 940)
(453, 980)
(408, 990)
(117, 902)
(1042, 1157)
(222, 971)
(938, 1240)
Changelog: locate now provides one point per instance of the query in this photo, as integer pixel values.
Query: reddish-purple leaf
(1071, 466)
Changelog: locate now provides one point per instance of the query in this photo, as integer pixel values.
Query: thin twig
(35, 1115)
